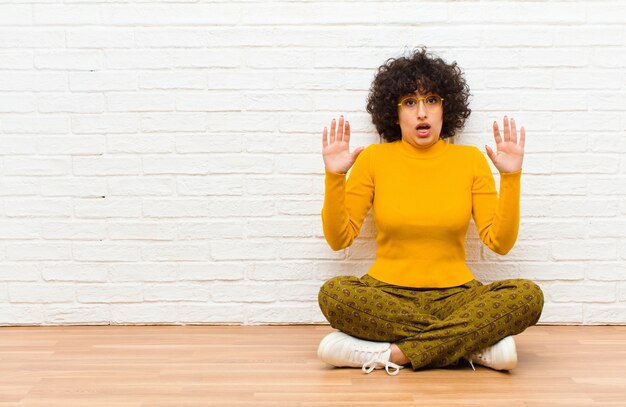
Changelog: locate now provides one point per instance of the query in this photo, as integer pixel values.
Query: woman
(419, 303)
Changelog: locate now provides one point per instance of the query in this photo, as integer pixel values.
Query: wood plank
(156, 366)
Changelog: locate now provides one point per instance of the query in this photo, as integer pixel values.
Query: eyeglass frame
(422, 98)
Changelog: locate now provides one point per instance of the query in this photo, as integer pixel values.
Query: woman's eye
(431, 100)
(410, 102)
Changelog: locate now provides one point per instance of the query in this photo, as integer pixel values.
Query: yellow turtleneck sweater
(422, 200)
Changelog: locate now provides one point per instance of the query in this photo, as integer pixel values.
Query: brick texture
(160, 161)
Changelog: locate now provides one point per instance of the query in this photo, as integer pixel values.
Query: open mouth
(423, 129)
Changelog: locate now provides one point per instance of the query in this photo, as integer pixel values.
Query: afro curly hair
(422, 71)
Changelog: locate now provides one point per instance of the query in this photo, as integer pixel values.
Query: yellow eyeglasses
(431, 102)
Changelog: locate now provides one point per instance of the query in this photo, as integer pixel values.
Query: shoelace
(475, 355)
(370, 365)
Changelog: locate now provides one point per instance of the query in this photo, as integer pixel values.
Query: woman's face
(420, 117)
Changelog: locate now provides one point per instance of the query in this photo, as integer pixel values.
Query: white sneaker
(501, 356)
(339, 349)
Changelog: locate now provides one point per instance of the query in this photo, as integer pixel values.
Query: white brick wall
(160, 160)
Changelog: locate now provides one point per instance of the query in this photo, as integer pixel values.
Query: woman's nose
(421, 109)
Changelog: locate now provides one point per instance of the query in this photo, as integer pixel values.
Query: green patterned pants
(433, 327)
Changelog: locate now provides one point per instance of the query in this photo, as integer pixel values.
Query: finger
(507, 131)
(522, 137)
(491, 154)
(325, 137)
(346, 136)
(340, 130)
(356, 153)
(513, 131)
(496, 133)
(332, 131)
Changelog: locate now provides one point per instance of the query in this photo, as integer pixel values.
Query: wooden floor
(156, 366)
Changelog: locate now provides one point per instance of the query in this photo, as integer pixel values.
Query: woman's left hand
(509, 155)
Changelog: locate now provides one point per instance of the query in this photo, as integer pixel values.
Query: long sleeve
(346, 203)
(497, 220)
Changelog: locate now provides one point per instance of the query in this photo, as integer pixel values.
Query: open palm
(336, 151)
(510, 154)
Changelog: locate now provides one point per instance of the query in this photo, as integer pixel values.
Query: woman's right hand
(336, 151)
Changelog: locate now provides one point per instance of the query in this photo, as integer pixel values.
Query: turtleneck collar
(431, 151)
